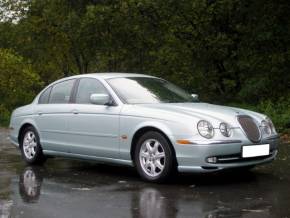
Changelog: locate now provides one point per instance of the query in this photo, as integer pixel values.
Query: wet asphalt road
(71, 188)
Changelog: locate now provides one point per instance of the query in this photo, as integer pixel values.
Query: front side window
(87, 87)
(44, 97)
(61, 92)
(148, 90)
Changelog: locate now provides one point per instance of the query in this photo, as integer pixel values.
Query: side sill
(88, 157)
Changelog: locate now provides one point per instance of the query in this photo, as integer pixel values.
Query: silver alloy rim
(29, 145)
(30, 183)
(152, 157)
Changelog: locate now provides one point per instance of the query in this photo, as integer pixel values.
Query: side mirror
(195, 97)
(100, 99)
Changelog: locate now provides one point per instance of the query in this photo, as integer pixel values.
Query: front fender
(155, 124)
(130, 125)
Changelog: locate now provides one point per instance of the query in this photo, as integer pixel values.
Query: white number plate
(255, 150)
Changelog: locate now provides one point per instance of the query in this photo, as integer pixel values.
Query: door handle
(39, 113)
(75, 112)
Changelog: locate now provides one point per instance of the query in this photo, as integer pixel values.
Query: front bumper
(193, 157)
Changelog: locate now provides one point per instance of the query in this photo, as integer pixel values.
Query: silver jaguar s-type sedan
(142, 121)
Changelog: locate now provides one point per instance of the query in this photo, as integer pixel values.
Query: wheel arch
(141, 131)
(23, 126)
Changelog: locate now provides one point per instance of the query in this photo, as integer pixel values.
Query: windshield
(148, 90)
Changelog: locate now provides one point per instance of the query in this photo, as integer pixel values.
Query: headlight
(273, 130)
(205, 129)
(266, 128)
(225, 129)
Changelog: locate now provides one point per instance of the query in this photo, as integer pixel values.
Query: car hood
(210, 112)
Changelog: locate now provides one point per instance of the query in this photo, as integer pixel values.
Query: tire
(30, 182)
(31, 149)
(157, 162)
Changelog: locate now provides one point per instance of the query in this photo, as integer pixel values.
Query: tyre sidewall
(169, 157)
(38, 154)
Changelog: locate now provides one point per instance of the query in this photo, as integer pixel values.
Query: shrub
(18, 83)
(4, 116)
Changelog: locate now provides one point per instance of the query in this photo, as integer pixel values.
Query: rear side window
(61, 92)
(88, 86)
(44, 97)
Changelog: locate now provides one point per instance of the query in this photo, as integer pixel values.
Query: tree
(18, 82)
(228, 51)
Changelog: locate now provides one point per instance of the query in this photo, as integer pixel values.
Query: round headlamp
(205, 129)
(266, 127)
(273, 130)
(225, 129)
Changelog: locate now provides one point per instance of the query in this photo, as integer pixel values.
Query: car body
(71, 121)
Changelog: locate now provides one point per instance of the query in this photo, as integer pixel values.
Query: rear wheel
(30, 146)
(154, 157)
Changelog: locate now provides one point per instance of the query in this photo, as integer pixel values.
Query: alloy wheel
(152, 157)
(29, 145)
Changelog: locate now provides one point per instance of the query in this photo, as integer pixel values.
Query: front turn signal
(183, 142)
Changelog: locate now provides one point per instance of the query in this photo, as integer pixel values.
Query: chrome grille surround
(250, 128)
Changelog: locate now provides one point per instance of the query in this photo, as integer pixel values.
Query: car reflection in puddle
(75, 199)
(29, 185)
(54, 194)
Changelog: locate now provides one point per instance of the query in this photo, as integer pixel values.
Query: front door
(94, 129)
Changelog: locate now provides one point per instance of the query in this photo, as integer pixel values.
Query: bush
(4, 116)
(18, 83)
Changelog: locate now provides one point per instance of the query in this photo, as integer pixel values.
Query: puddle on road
(5, 208)
(67, 188)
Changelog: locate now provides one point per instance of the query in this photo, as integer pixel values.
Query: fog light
(211, 159)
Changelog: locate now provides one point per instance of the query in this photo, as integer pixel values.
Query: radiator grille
(250, 128)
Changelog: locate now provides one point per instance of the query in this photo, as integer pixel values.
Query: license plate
(255, 150)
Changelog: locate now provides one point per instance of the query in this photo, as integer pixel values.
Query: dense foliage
(229, 51)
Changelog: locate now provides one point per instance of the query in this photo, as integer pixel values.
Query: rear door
(52, 113)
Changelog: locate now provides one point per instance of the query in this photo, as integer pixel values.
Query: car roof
(116, 75)
(108, 75)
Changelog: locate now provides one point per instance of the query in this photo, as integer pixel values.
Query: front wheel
(30, 146)
(154, 157)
